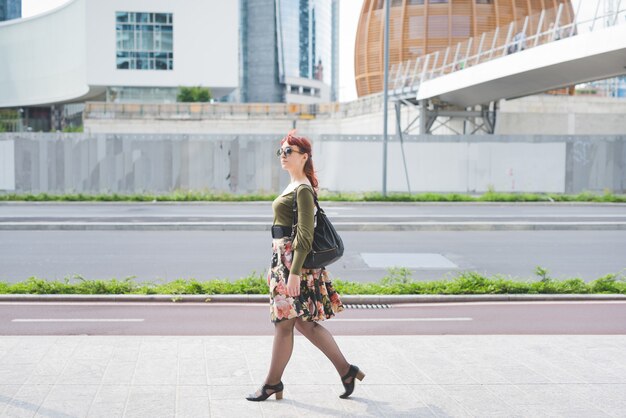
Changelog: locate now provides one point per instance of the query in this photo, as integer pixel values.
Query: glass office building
(144, 41)
(289, 50)
(10, 9)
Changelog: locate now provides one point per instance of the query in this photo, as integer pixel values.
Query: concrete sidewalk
(416, 376)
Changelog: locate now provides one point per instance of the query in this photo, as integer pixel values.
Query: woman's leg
(281, 350)
(323, 339)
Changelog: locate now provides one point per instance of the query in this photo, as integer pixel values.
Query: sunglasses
(287, 151)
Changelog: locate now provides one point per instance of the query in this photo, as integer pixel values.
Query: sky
(349, 11)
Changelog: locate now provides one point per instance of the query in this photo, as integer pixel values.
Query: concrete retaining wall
(534, 115)
(128, 163)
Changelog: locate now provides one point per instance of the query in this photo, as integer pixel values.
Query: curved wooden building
(419, 27)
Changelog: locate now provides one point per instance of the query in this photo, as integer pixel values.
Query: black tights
(314, 332)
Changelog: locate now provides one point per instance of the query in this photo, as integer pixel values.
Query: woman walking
(299, 297)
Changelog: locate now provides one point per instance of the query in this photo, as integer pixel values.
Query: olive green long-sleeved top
(283, 215)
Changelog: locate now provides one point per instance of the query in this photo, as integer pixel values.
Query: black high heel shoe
(353, 373)
(277, 390)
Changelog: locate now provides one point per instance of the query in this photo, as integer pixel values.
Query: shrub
(194, 94)
(398, 281)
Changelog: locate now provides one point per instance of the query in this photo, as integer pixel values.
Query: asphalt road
(253, 319)
(207, 240)
(345, 215)
(167, 255)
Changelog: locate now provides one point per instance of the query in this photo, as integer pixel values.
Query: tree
(194, 94)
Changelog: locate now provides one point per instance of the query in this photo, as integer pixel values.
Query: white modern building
(121, 50)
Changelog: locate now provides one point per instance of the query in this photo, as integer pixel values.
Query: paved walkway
(416, 376)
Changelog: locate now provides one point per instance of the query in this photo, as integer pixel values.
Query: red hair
(305, 146)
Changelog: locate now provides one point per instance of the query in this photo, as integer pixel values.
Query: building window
(145, 41)
(484, 1)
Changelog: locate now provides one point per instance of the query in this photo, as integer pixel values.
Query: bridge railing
(548, 26)
(201, 111)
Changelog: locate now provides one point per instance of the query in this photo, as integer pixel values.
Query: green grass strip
(115, 197)
(197, 196)
(398, 281)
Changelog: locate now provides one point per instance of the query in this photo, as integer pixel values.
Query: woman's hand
(293, 285)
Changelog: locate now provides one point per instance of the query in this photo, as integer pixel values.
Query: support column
(423, 116)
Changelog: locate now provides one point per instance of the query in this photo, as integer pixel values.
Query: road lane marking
(408, 260)
(480, 223)
(70, 223)
(339, 222)
(398, 319)
(76, 320)
(360, 216)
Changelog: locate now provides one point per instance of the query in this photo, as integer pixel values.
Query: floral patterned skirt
(318, 299)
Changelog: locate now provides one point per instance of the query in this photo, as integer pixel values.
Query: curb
(326, 202)
(340, 226)
(347, 299)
